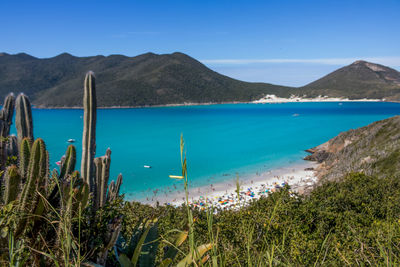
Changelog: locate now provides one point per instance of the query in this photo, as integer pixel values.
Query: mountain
(373, 149)
(147, 79)
(151, 79)
(359, 80)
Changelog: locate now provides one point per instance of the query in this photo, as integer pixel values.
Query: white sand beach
(223, 195)
(270, 99)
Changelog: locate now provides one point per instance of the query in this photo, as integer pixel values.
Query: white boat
(147, 166)
(71, 140)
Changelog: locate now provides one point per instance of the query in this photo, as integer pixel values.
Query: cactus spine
(113, 189)
(69, 161)
(24, 155)
(8, 109)
(102, 175)
(6, 115)
(12, 146)
(12, 180)
(89, 131)
(35, 175)
(23, 117)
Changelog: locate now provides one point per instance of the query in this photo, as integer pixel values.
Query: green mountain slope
(359, 80)
(151, 79)
(147, 79)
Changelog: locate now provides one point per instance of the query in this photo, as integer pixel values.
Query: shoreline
(300, 176)
(276, 100)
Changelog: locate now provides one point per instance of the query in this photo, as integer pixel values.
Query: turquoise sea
(221, 140)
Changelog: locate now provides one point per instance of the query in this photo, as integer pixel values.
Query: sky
(282, 42)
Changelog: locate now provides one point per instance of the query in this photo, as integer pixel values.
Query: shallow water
(221, 140)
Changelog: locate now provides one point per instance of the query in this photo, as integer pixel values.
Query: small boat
(147, 166)
(296, 115)
(71, 140)
(58, 162)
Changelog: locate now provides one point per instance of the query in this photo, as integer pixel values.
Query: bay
(221, 140)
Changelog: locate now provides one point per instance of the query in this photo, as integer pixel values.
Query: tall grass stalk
(67, 246)
(192, 249)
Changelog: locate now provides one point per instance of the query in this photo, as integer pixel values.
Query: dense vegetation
(71, 218)
(352, 222)
(151, 79)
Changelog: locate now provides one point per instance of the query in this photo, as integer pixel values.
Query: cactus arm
(105, 175)
(12, 146)
(12, 180)
(118, 184)
(68, 165)
(24, 155)
(98, 163)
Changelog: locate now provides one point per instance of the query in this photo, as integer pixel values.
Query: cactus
(35, 182)
(81, 196)
(8, 109)
(37, 195)
(12, 180)
(113, 189)
(24, 155)
(12, 146)
(89, 131)
(68, 164)
(6, 115)
(102, 166)
(35, 175)
(23, 117)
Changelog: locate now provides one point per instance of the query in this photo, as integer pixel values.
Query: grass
(355, 221)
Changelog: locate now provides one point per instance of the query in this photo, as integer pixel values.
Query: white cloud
(389, 61)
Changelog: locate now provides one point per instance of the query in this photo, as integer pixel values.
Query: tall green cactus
(89, 131)
(6, 115)
(36, 174)
(102, 166)
(24, 155)
(38, 195)
(35, 183)
(8, 109)
(12, 180)
(23, 117)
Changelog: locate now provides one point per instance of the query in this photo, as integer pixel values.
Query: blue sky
(284, 42)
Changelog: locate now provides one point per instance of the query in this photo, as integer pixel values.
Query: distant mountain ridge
(151, 79)
(147, 79)
(360, 79)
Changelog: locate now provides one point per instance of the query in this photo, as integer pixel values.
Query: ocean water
(221, 140)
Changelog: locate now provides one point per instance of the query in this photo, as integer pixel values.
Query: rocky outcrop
(373, 149)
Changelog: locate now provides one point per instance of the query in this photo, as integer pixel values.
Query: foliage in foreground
(54, 220)
(355, 221)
